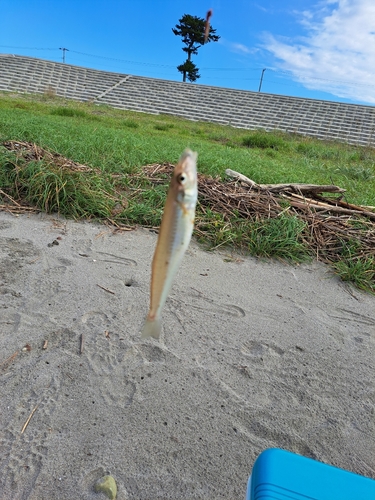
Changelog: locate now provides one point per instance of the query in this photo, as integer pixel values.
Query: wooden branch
(306, 203)
(296, 188)
(294, 192)
(241, 177)
(364, 209)
(105, 289)
(15, 210)
(9, 198)
(341, 207)
(28, 420)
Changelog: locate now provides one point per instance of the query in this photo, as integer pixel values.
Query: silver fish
(174, 237)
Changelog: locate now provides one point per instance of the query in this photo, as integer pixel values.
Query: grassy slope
(118, 141)
(121, 141)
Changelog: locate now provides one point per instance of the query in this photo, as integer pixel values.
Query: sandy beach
(253, 354)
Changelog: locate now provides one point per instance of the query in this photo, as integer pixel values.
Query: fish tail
(152, 328)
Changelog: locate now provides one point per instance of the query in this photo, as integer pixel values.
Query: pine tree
(192, 29)
(189, 71)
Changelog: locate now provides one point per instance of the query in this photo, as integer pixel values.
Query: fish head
(185, 181)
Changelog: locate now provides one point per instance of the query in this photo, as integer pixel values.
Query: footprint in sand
(253, 348)
(5, 225)
(23, 453)
(106, 358)
(116, 259)
(14, 255)
(200, 302)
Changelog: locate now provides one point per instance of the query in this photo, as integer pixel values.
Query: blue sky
(316, 49)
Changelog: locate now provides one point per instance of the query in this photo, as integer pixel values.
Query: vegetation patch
(65, 111)
(275, 221)
(48, 181)
(99, 173)
(264, 140)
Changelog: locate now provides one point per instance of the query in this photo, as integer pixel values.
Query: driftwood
(336, 205)
(278, 188)
(293, 193)
(329, 221)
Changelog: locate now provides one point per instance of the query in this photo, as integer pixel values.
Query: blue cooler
(281, 475)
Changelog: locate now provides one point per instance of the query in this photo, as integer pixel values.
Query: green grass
(120, 141)
(264, 140)
(65, 111)
(281, 237)
(355, 268)
(56, 189)
(117, 143)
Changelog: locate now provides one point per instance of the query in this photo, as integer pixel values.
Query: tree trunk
(188, 58)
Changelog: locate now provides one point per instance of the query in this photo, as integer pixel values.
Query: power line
(289, 73)
(129, 61)
(123, 60)
(160, 65)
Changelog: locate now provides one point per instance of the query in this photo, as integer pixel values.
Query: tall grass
(56, 189)
(356, 268)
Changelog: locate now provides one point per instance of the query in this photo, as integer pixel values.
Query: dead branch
(277, 188)
(330, 222)
(28, 420)
(32, 152)
(105, 289)
(319, 205)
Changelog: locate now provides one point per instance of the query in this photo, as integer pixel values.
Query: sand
(253, 355)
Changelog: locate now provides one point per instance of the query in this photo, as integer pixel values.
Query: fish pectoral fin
(152, 328)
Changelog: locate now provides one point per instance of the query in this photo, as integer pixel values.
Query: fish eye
(181, 178)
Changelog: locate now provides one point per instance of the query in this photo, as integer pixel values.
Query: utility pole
(64, 50)
(261, 79)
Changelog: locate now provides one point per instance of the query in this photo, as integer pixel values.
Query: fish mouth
(185, 174)
(188, 162)
(189, 152)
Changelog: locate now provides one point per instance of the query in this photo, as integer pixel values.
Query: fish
(174, 237)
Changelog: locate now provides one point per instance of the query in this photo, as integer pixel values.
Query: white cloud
(337, 53)
(242, 49)
(238, 48)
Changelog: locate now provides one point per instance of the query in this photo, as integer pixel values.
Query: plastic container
(282, 475)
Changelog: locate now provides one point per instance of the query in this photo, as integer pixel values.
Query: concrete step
(249, 110)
